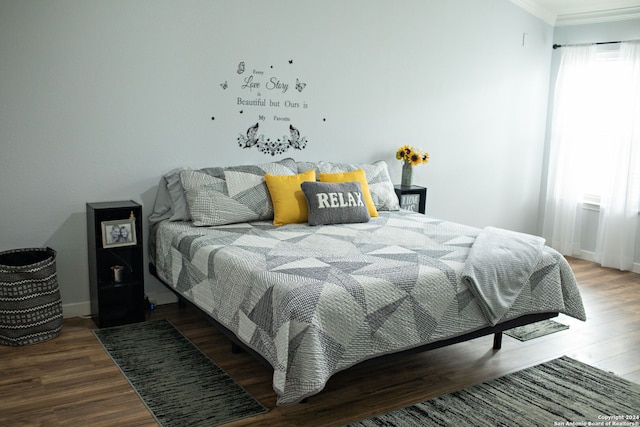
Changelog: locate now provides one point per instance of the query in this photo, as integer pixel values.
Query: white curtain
(595, 150)
(620, 199)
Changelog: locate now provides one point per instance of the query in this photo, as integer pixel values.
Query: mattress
(315, 300)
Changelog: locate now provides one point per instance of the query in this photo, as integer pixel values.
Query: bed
(313, 300)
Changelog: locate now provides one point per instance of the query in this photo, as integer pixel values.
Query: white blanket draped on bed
(499, 265)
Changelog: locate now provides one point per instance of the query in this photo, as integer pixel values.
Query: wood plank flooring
(70, 380)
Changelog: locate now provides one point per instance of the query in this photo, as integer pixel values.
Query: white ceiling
(573, 12)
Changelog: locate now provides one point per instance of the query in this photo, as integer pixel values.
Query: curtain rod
(556, 46)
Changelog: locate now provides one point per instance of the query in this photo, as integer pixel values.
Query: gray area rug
(561, 392)
(179, 384)
(536, 330)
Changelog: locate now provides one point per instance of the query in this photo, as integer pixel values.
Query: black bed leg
(497, 341)
(236, 349)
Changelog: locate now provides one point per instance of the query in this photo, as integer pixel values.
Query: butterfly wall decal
(300, 86)
(251, 137)
(296, 141)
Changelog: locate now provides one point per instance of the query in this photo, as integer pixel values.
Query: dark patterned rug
(536, 330)
(179, 384)
(561, 392)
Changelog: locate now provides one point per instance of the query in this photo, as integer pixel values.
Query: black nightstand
(116, 274)
(413, 198)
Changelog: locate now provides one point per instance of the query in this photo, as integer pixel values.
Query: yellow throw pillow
(289, 203)
(358, 176)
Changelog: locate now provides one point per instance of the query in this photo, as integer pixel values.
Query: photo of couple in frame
(119, 233)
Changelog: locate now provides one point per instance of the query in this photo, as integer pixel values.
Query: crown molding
(599, 16)
(535, 9)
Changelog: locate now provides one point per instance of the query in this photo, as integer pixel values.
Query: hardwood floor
(70, 380)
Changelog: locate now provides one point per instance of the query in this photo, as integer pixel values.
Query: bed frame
(238, 346)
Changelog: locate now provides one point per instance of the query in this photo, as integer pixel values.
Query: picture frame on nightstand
(412, 198)
(118, 233)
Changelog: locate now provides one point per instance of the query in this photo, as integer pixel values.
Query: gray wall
(100, 98)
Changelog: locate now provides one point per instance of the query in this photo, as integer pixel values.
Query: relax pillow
(379, 182)
(358, 176)
(335, 203)
(289, 203)
(219, 196)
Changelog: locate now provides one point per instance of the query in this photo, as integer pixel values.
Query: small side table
(413, 198)
(116, 273)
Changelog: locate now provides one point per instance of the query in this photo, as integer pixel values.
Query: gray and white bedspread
(316, 300)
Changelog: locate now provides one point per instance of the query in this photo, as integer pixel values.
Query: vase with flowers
(410, 157)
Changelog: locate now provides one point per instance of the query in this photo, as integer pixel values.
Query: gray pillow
(335, 203)
(219, 196)
(170, 201)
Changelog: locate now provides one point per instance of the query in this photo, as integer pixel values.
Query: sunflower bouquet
(412, 156)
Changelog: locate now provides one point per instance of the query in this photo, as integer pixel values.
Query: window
(599, 107)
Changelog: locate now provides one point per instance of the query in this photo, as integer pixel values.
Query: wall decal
(276, 98)
(267, 146)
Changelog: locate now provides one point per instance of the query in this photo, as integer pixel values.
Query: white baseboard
(587, 256)
(78, 309)
(83, 309)
(590, 256)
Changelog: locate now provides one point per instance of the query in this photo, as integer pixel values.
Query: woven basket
(30, 306)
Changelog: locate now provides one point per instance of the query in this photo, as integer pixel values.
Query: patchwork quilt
(317, 300)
